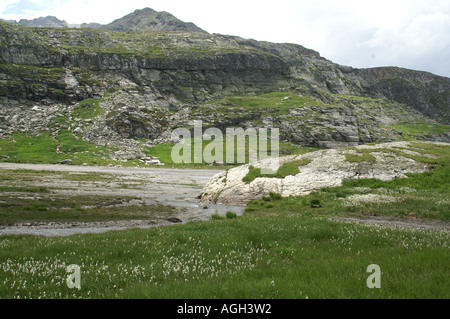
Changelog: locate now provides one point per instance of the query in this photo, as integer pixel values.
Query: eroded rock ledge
(327, 168)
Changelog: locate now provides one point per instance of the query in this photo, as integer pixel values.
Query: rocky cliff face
(142, 85)
(425, 92)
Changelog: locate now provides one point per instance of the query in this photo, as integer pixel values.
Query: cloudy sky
(413, 34)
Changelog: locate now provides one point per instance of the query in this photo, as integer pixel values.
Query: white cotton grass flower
(356, 200)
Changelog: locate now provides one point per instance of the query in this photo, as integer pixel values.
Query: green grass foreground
(283, 256)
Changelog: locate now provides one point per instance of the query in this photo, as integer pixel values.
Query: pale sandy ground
(175, 187)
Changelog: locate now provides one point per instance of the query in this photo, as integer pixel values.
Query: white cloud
(407, 33)
(4, 5)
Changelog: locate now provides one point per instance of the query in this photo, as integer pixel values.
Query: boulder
(65, 162)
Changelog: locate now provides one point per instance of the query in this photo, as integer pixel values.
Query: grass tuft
(287, 169)
(354, 158)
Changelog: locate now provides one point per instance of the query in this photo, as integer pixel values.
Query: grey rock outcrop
(328, 168)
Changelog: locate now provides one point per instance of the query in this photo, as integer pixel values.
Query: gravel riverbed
(178, 188)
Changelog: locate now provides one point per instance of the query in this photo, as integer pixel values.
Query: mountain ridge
(145, 19)
(114, 88)
(148, 19)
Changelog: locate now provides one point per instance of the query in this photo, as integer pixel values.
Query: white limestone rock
(328, 168)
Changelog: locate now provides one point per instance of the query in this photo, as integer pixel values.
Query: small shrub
(231, 215)
(315, 203)
(217, 217)
(304, 202)
(275, 196)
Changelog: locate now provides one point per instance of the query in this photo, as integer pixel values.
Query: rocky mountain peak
(42, 22)
(145, 19)
(148, 19)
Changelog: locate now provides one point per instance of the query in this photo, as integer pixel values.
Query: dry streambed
(103, 198)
